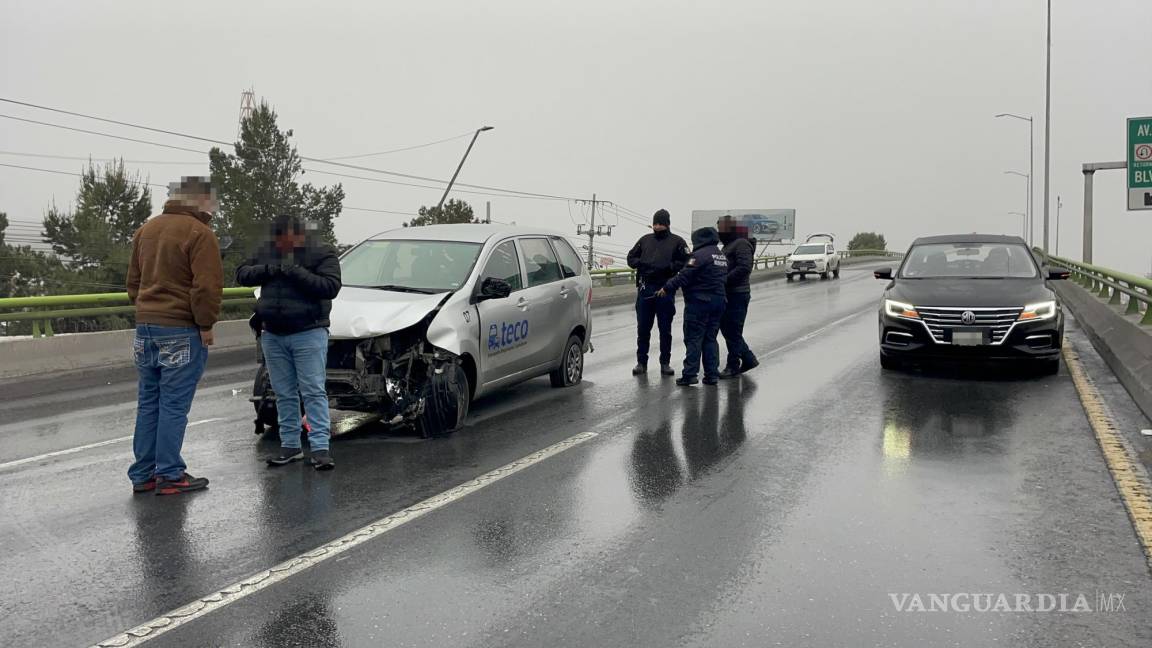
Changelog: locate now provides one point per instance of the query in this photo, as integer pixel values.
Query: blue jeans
(297, 366)
(701, 324)
(170, 361)
(649, 307)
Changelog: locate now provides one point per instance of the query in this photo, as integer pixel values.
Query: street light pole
(1059, 204)
(1027, 201)
(1025, 219)
(1047, 123)
(1031, 170)
(460, 166)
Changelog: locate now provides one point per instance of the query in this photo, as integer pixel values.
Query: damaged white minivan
(430, 318)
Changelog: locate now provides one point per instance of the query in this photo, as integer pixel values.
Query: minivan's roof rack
(828, 236)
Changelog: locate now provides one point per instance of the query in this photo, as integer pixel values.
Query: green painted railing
(625, 276)
(1113, 286)
(40, 311)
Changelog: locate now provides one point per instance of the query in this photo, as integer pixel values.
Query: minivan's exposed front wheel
(446, 400)
(571, 370)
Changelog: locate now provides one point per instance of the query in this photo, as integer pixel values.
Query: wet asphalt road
(780, 509)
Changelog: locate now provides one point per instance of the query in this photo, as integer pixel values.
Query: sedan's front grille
(938, 319)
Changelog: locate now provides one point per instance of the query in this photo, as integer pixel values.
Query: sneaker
(711, 381)
(748, 364)
(322, 460)
(185, 484)
(667, 370)
(729, 372)
(686, 382)
(144, 487)
(639, 369)
(285, 457)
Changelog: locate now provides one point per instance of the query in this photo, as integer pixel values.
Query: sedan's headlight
(900, 309)
(1042, 311)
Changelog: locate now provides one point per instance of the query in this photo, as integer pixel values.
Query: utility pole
(1059, 204)
(488, 212)
(1047, 124)
(593, 232)
(247, 105)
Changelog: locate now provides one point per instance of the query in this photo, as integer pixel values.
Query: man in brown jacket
(175, 279)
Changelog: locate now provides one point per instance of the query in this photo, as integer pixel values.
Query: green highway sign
(1139, 163)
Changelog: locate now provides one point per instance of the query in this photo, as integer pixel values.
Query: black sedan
(970, 297)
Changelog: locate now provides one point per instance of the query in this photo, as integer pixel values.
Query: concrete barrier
(1124, 344)
(71, 352)
(87, 351)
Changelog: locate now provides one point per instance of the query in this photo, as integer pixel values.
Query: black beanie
(662, 217)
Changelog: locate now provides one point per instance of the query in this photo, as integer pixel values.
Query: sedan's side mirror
(493, 288)
(882, 273)
(1058, 274)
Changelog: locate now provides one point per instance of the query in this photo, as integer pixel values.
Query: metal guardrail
(41, 311)
(1113, 286)
(612, 275)
(90, 305)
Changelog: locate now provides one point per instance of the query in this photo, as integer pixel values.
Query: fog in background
(862, 116)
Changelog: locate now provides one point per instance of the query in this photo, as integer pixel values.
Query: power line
(68, 173)
(84, 159)
(81, 130)
(399, 150)
(305, 169)
(223, 143)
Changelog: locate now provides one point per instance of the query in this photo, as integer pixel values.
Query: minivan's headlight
(900, 309)
(1041, 311)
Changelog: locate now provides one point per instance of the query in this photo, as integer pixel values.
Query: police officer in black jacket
(703, 282)
(656, 257)
(741, 254)
(298, 278)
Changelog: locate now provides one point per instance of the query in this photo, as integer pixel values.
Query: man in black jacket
(703, 281)
(656, 257)
(741, 254)
(298, 279)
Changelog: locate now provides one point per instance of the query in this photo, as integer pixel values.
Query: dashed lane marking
(1131, 481)
(90, 446)
(268, 577)
(61, 453)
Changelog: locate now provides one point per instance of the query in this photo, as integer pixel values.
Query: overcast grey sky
(872, 115)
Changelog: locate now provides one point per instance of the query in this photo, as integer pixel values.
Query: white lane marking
(90, 446)
(248, 586)
(211, 420)
(808, 336)
(61, 453)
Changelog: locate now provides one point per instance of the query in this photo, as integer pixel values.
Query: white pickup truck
(814, 257)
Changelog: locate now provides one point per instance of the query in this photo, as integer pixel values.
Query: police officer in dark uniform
(741, 254)
(656, 257)
(703, 282)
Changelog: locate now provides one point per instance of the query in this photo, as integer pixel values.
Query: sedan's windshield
(809, 249)
(974, 260)
(414, 266)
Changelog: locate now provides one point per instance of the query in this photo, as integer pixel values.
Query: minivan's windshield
(810, 249)
(409, 266)
(969, 260)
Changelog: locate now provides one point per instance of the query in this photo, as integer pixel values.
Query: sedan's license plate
(967, 338)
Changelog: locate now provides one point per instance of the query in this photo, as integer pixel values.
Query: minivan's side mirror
(882, 273)
(1057, 274)
(493, 288)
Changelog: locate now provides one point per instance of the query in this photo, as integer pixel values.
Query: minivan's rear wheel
(571, 369)
(446, 400)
